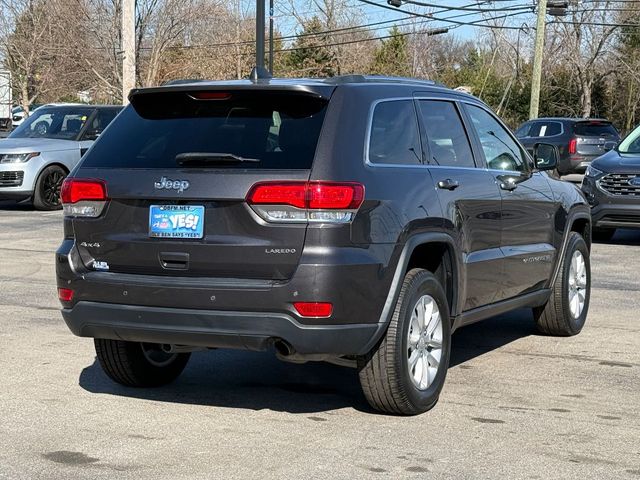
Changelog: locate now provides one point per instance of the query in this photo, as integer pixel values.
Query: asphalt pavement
(516, 405)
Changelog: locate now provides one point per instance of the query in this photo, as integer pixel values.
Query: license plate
(176, 221)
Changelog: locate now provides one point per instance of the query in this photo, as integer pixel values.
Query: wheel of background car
(47, 190)
(136, 364)
(565, 312)
(405, 373)
(41, 128)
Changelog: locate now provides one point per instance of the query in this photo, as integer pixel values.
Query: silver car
(39, 154)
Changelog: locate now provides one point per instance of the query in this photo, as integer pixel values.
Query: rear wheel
(405, 373)
(565, 312)
(47, 191)
(136, 364)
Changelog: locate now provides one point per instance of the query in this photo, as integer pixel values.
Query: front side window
(631, 143)
(394, 137)
(500, 150)
(446, 136)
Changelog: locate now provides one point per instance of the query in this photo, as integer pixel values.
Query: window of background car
(394, 137)
(500, 149)
(631, 143)
(102, 118)
(545, 129)
(59, 122)
(446, 137)
(523, 130)
(595, 129)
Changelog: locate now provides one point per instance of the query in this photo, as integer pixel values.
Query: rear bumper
(216, 329)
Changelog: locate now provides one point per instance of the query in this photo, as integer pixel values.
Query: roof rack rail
(340, 79)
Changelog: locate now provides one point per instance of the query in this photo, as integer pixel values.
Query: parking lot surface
(515, 405)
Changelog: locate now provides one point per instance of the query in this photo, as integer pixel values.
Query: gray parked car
(579, 140)
(40, 153)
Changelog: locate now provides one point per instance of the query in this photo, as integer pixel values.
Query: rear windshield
(595, 129)
(278, 129)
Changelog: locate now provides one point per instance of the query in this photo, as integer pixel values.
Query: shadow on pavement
(257, 380)
(623, 236)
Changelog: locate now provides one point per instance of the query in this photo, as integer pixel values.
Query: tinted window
(394, 135)
(545, 129)
(523, 130)
(500, 150)
(446, 137)
(595, 129)
(281, 130)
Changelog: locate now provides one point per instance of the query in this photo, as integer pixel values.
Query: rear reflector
(65, 294)
(314, 309)
(75, 190)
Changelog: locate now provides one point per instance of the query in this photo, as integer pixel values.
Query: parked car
(38, 155)
(18, 115)
(579, 140)
(612, 187)
(357, 220)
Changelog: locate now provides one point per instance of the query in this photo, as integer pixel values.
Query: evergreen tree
(392, 57)
(310, 57)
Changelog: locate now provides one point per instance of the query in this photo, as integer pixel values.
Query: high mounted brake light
(331, 202)
(210, 95)
(83, 197)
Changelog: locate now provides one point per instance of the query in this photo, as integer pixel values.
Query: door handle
(448, 184)
(508, 183)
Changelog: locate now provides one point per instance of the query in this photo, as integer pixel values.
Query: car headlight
(593, 172)
(17, 157)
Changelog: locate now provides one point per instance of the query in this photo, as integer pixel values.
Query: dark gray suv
(356, 220)
(579, 140)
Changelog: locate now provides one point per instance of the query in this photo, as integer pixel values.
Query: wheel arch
(578, 220)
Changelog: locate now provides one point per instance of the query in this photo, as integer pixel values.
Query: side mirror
(545, 156)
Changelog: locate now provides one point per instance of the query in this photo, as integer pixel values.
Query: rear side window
(395, 137)
(446, 136)
(279, 129)
(595, 129)
(545, 129)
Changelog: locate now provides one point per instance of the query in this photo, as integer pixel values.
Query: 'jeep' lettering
(167, 184)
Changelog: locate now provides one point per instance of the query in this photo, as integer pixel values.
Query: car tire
(393, 375)
(136, 364)
(565, 312)
(47, 190)
(603, 234)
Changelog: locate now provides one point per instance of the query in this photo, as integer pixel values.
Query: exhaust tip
(283, 348)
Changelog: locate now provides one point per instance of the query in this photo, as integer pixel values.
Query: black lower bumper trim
(215, 329)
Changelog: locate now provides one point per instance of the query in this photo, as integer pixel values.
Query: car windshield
(631, 143)
(63, 123)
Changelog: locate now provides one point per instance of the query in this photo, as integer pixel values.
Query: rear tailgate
(167, 218)
(594, 138)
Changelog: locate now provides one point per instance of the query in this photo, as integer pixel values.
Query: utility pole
(128, 34)
(271, 37)
(260, 10)
(537, 60)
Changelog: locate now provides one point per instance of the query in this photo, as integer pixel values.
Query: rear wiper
(199, 158)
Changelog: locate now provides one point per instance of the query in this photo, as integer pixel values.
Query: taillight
(314, 309)
(83, 197)
(332, 202)
(572, 146)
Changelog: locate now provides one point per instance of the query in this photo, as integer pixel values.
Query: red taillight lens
(310, 195)
(330, 196)
(75, 190)
(572, 146)
(314, 309)
(65, 294)
(290, 193)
